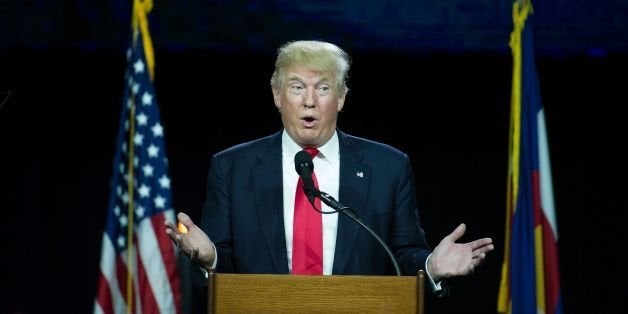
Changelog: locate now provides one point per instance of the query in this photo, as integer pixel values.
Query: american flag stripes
(138, 265)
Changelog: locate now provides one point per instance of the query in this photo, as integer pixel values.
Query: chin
(307, 139)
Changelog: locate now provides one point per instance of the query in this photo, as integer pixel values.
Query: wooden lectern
(248, 293)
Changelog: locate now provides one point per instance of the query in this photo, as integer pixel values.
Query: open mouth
(309, 122)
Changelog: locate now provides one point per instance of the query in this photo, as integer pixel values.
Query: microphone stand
(331, 202)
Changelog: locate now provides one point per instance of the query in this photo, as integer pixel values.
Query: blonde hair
(316, 55)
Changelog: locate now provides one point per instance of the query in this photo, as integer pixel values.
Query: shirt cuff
(436, 286)
(205, 273)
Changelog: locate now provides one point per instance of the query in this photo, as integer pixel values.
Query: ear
(341, 100)
(276, 98)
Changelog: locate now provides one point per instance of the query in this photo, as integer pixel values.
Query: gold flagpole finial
(139, 24)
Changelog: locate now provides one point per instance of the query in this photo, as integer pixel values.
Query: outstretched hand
(450, 259)
(193, 241)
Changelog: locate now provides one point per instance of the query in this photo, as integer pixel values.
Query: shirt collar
(328, 152)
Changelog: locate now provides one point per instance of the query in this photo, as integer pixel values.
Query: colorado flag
(530, 276)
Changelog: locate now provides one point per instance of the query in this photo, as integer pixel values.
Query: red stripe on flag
(121, 273)
(149, 303)
(550, 251)
(536, 197)
(552, 279)
(104, 294)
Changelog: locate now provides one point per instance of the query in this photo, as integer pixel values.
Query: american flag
(138, 264)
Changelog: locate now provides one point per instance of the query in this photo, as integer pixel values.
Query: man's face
(309, 102)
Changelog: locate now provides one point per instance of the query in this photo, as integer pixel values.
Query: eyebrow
(296, 78)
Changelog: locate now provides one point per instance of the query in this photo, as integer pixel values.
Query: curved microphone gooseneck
(304, 167)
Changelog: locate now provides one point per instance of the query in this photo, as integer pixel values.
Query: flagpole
(139, 22)
(131, 155)
(520, 11)
(130, 165)
(130, 188)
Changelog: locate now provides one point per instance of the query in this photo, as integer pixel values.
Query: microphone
(304, 166)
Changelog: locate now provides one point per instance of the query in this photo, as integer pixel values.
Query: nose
(309, 96)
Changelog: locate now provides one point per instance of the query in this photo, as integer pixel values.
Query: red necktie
(307, 234)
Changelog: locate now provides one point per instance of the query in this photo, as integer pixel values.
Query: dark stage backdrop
(448, 108)
(448, 112)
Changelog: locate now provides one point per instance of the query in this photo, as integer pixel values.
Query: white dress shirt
(327, 170)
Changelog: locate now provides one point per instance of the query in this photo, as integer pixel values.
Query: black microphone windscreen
(302, 161)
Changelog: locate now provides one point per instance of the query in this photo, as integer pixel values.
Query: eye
(323, 90)
(295, 89)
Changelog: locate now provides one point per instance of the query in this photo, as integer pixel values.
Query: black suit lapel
(268, 189)
(355, 180)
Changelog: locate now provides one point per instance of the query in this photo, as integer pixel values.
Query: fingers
(185, 223)
(173, 231)
(479, 248)
(484, 244)
(478, 260)
(457, 233)
(474, 264)
(479, 257)
(172, 226)
(180, 238)
(480, 253)
(487, 248)
(185, 219)
(169, 225)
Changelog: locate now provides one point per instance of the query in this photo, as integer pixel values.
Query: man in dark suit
(250, 215)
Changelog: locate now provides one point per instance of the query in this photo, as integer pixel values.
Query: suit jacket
(243, 212)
